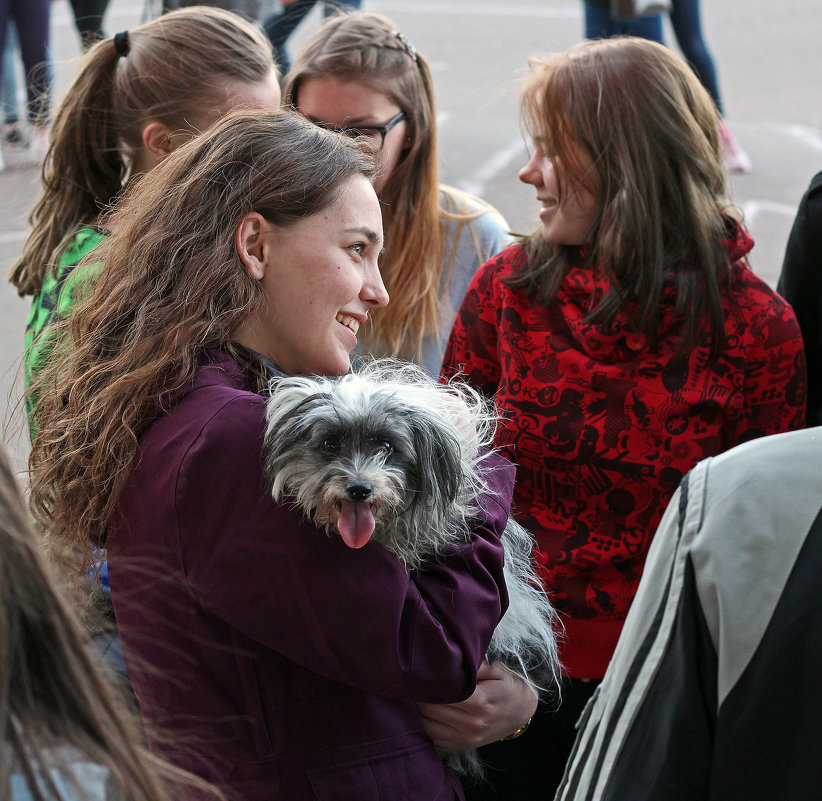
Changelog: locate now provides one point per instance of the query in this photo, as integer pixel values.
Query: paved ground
(770, 72)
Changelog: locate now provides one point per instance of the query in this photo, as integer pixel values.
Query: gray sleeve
(468, 246)
(719, 564)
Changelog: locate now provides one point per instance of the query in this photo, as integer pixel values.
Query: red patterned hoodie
(602, 425)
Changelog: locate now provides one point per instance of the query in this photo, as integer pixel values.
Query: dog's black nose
(358, 491)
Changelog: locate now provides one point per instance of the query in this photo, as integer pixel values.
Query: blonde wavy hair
(370, 48)
(173, 284)
(650, 130)
(56, 709)
(174, 68)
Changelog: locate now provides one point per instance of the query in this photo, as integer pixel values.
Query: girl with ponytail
(137, 96)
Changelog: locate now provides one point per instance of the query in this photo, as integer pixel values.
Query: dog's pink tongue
(355, 523)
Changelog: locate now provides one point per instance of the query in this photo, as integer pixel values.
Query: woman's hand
(501, 704)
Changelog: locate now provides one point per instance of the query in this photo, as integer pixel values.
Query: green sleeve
(61, 291)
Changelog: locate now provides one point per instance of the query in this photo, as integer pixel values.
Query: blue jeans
(88, 19)
(600, 25)
(8, 85)
(688, 32)
(279, 27)
(31, 18)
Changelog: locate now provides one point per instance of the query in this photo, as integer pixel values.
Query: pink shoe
(736, 159)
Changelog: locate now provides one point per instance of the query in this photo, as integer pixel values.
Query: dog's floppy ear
(438, 463)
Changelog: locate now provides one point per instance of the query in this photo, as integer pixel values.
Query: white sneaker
(736, 159)
(39, 144)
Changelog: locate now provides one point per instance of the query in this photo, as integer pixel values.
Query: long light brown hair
(650, 130)
(370, 48)
(55, 707)
(173, 70)
(173, 284)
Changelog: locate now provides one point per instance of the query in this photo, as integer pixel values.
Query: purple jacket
(267, 656)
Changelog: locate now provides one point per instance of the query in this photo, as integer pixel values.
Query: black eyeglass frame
(357, 130)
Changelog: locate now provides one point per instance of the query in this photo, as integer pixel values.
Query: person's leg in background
(13, 133)
(688, 31)
(280, 26)
(599, 24)
(646, 27)
(5, 17)
(341, 5)
(88, 19)
(32, 18)
(685, 20)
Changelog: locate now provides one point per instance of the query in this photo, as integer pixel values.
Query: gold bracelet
(518, 732)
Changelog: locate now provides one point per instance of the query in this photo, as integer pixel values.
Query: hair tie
(406, 43)
(121, 45)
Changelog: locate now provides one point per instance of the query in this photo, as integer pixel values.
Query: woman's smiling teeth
(349, 322)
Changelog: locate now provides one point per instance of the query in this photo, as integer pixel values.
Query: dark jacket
(713, 691)
(800, 283)
(267, 656)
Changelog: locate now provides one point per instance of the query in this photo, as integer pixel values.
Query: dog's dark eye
(330, 445)
(383, 446)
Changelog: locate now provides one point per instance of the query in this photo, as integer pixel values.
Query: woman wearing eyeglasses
(360, 75)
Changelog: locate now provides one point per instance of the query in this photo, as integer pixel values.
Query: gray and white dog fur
(387, 453)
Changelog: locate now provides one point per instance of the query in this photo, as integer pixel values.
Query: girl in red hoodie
(625, 340)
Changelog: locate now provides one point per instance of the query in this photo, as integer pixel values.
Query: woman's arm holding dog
(500, 705)
(355, 616)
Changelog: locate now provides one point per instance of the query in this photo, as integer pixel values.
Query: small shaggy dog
(388, 454)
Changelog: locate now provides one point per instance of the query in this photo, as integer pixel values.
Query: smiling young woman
(267, 657)
(623, 341)
(301, 329)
